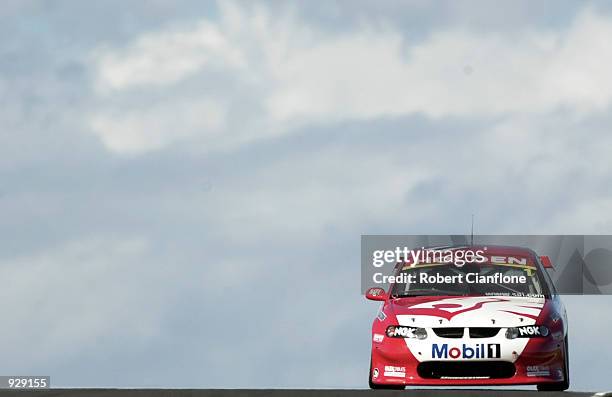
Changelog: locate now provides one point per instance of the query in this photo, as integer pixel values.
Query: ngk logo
(530, 330)
(406, 332)
(481, 350)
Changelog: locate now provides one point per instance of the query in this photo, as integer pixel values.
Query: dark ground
(281, 393)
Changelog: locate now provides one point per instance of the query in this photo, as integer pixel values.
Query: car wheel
(564, 385)
(381, 387)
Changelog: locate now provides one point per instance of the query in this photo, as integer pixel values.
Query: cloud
(297, 196)
(313, 133)
(66, 299)
(297, 75)
(153, 127)
(165, 57)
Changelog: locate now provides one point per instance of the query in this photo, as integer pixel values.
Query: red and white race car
(499, 322)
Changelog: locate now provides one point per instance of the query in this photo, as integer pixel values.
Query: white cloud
(149, 128)
(165, 57)
(301, 75)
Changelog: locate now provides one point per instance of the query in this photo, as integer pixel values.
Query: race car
(493, 321)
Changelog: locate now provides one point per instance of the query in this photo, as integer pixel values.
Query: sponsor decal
(381, 315)
(538, 370)
(401, 332)
(508, 260)
(376, 291)
(527, 331)
(395, 372)
(378, 338)
(465, 352)
(375, 373)
(532, 331)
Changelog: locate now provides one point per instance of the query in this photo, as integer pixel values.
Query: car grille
(474, 332)
(466, 370)
(449, 332)
(483, 332)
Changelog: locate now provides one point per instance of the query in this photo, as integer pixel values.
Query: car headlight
(512, 333)
(399, 331)
(527, 331)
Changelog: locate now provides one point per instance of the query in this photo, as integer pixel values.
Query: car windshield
(469, 280)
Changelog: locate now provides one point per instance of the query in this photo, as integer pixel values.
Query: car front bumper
(542, 361)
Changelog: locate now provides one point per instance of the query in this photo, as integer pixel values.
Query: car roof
(489, 251)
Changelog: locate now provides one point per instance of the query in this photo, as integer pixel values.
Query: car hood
(472, 311)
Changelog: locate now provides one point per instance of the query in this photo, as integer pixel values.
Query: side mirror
(376, 294)
(546, 262)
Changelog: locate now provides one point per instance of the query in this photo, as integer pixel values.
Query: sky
(184, 184)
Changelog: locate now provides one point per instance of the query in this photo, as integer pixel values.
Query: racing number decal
(494, 351)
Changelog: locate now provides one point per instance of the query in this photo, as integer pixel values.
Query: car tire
(374, 386)
(564, 385)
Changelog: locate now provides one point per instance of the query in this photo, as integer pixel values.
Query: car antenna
(472, 234)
